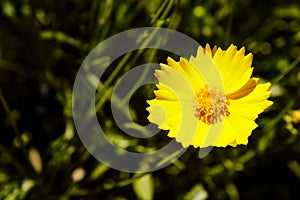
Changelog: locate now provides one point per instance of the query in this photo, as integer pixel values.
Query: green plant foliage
(144, 187)
(42, 45)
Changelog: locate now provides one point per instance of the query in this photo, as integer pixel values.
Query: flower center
(211, 105)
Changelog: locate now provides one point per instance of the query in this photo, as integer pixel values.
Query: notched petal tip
(242, 50)
(233, 143)
(150, 102)
(207, 50)
(249, 57)
(163, 67)
(184, 144)
(149, 118)
(158, 73)
(214, 49)
(268, 85)
(270, 103)
(207, 46)
(232, 47)
(171, 61)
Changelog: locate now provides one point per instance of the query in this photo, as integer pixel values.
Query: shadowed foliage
(42, 45)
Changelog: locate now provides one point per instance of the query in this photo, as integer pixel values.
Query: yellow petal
(181, 122)
(245, 90)
(175, 82)
(188, 71)
(174, 131)
(210, 51)
(240, 123)
(207, 69)
(233, 143)
(253, 104)
(235, 68)
(200, 135)
(163, 93)
(187, 130)
(227, 135)
(258, 95)
(164, 113)
(236, 131)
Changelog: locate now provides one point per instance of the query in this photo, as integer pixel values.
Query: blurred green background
(43, 43)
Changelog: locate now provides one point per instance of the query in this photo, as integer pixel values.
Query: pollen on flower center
(211, 105)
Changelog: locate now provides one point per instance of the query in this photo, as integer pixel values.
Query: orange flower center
(212, 105)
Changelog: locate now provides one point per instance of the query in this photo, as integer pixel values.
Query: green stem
(167, 10)
(275, 120)
(12, 122)
(100, 98)
(161, 8)
(284, 73)
(230, 20)
(169, 158)
(14, 162)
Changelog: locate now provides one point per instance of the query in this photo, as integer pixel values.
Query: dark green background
(43, 43)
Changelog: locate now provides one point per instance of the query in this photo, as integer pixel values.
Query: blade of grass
(230, 21)
(284, 73)
(12, 123)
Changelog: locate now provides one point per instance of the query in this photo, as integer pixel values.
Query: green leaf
(144, 187)
(197, 192)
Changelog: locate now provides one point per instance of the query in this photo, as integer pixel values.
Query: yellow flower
(197, 110)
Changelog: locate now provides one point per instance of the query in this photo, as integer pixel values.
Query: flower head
(203, 107)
